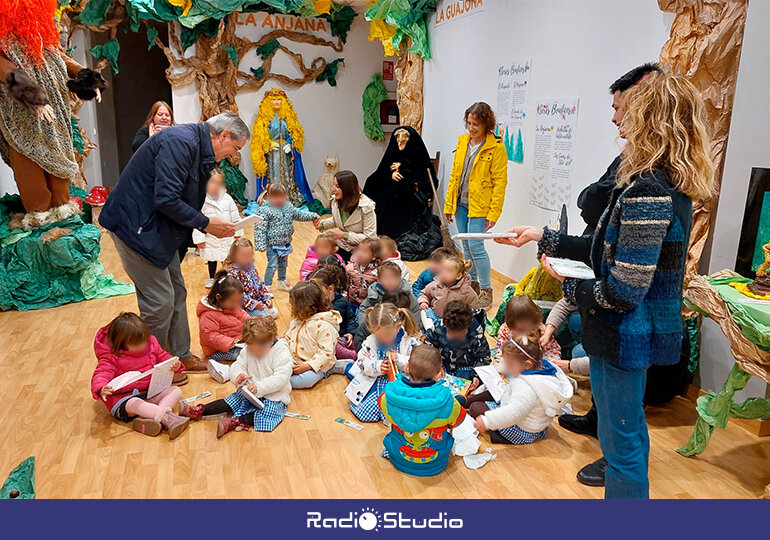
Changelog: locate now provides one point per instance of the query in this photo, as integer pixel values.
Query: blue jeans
(474, 250)
(275, 261)
(574, 326)
(618, 394)
(308, 379)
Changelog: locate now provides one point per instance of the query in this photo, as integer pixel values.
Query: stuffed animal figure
(323, 188)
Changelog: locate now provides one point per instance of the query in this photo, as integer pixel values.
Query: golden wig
(665, 125)
(260, 135)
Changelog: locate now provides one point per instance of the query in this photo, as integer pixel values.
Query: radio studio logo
(370, 519)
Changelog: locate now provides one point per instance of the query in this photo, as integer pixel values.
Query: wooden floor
(47, 411)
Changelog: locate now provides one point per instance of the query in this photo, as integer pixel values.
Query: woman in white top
(353, 217)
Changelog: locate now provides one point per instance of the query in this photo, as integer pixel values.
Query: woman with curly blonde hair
(276, 142)
(631, 310)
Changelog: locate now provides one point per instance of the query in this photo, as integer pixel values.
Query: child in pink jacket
(127, 345)
(325, 244)
(221, 317)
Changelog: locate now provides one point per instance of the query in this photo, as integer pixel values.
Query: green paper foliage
(20, 484)
(132, 14)
(152, 33)
(155, 10)
(330, 72)
(232, 54)
(110, 51)
(266, 51)
(190, 36)
(409, 20)
(235, 181)
(258, 73)
(340, 20)
(77, 139)
(94, 12)
(374, 94)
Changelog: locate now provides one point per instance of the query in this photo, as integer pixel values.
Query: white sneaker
(283, 286)
(219, 372)
(209, 283)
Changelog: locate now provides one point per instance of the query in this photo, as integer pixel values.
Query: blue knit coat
(277, 225)
(631, 311)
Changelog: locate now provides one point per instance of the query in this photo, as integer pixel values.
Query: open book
(162, 376)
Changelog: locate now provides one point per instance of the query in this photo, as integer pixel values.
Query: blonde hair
(461, 265)
(260, 135)
(388, 243)
(665, 124)
(271, 190)
(241, 242)
(386, 314)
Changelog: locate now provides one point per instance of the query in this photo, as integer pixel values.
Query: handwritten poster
(556, 122)
(511, 111)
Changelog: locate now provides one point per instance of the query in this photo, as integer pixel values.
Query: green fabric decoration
(110, 51)
(189, 36)
(330, 72)
(235, 182)
(20, 484)
(693, 335)
(318, 207)
(155, 10)
(132, 16)
(152, 33)
(374, 94)
(82, 194)
(493, 325)
(340, 20)
(77, 139)
(232, 54)
(408, 18)
(95, 12)
(266, 51)
(258, 73)
(35, 274)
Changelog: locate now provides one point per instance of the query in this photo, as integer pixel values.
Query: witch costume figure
(276, 143)
(35, 115)
(401, 189)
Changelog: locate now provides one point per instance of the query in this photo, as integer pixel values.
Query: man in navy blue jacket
(152, 212)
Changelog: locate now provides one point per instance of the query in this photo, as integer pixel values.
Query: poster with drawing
(555, 128)
(511, 111)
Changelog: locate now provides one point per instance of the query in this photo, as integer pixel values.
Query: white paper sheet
(162, 377)
(492, 380)
(571, 269)
(483, 235)
(246, 221)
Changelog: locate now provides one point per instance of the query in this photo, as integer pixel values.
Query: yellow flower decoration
(260, 134)
(185, 4)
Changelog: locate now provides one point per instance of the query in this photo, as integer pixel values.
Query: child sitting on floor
(461, 341)
(421, 410)
(452, 283)
(312, 335)
(394, 335)
(127, 345)
(535, 394)
(434, 266)
(257, 299)
(388, 279)
(264, 369)
(389, 252)
(220, 319)
(563, 310)
(325, 245)
(362, 269)
(218, 204)
(399, 298)
(522, 316)
(332, 280)
(274, 233)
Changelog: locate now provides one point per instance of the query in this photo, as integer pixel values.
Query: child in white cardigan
(218, 204)
(264, 370)
(535, 394)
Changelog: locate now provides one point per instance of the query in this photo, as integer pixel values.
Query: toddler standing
(274, 233)
(257, 299)
(218, 204)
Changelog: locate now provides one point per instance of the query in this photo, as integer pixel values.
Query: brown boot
(485, 298)
(151, 428)
(180, 379)
(475, 286)
(228, 424)
(190, 411)
(174, 424)
(193, 364)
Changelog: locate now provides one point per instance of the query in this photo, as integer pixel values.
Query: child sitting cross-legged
(452, 283)
(422, 411)
(427, 276)
(399, 298)
(264, 369)
(536, 393)
(312, 335)
(389, 252)
(522, 316)
(220, 319)
(384, 353)
(362, 269)
(332, 280)
(388, 279)
(325, 245)
(126, 344)
(461, 341)
(257, 299)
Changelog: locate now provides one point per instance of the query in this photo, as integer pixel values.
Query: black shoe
(496, 438)
(582, 425)
(593, 473)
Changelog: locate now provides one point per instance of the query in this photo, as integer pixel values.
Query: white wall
(747, 147)
(331, 116)
(578, 48)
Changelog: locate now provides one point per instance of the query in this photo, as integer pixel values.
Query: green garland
(374, 94)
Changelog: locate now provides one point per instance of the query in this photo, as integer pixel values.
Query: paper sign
(511, 110)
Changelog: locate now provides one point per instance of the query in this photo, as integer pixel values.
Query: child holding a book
(264, 370)
(384, 354)
(274, 233)
(536, 393)
(312, 335)
(220, 319)
(257, 299)
(422, 411)
(124, 345)
(362, 269)
(325, 245)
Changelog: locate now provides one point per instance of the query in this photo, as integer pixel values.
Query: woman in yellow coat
(476, 190)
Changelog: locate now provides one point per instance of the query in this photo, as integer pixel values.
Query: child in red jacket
(127, 345)
(220, 318)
